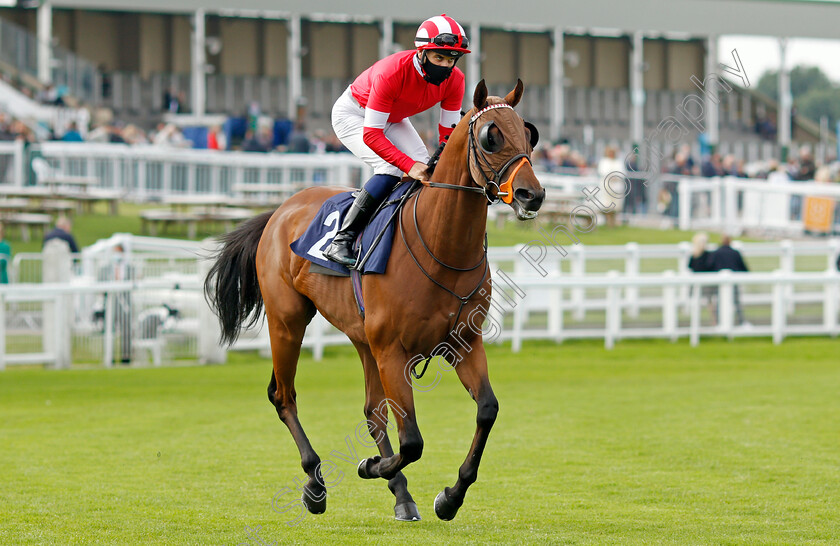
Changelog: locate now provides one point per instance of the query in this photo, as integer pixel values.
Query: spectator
(299, 142)
(712, 166)
(168, 95)
(134, 135)
(254, 143)
(72, 134)
(701, 262)
(216, 138)
(806, 168)
(777, 173)
(170, 136)
(5, 256)
(612, 199)
(62, 231)
(5, 129)
(726, 257)
(334, 145)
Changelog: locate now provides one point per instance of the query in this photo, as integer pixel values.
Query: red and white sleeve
(377, 112)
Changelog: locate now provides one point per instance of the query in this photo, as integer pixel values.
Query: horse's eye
(490, 138)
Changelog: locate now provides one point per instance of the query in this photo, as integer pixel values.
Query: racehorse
(437, 275)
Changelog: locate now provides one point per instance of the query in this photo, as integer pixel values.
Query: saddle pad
(325, 225)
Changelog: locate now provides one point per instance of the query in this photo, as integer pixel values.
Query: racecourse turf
(650, 443)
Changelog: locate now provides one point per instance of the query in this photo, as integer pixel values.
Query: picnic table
(192, 212)
(264, 195)
(84, 200)
(24, 221)
(71, 183)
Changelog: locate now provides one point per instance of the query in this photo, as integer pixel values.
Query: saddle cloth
(325, 225)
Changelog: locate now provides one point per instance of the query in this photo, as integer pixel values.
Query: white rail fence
(537, 296)
(55, 323)
(148, 173)
(721, 204)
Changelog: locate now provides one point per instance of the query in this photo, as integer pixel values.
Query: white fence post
(210, 351)
(631, 269)
(694, 325)
(613, 318)
(787, 265)
(669, 307)
(20, 171)
(57, 268)
(730, 204)
(832, 294)
(578, 270)
(684, 196)
(726, 304)
(778, 308)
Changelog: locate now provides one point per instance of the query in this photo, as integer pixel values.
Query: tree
(813, 93)
(821, 102)
(803, 79)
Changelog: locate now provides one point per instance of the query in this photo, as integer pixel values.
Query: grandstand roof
(792, 18)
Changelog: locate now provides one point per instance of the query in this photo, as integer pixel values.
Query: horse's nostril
(524, 195)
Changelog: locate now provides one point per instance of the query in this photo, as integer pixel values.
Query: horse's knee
(488, 408)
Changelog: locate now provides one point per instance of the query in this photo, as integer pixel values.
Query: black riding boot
(340, 250)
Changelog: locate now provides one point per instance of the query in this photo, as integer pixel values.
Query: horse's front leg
(472, 371)
(400, 397)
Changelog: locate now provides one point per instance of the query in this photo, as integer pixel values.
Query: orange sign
(818, 214)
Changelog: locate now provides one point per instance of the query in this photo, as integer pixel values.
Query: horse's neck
(453, 222)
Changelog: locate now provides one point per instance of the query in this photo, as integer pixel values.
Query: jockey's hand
(418, 171)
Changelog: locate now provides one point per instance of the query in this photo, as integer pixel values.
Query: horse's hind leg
(376, 413)
(287, 315)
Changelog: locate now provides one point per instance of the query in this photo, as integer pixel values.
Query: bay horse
(410, 309)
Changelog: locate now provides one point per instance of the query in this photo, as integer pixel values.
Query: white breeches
(348, 121)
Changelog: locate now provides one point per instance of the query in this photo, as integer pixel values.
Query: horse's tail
(231, 287)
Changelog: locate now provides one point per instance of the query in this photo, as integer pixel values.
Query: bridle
(503, 190)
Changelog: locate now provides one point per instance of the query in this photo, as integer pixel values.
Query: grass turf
(651, 443)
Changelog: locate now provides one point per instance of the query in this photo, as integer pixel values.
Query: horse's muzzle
(526, 202)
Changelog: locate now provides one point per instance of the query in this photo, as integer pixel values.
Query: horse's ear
(480, 95)
(515, 96)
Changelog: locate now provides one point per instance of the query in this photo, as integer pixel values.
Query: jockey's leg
(367, 201)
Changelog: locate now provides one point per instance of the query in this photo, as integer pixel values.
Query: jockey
(371, 118)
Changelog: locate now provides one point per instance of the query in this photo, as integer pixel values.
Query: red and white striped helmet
(442, 32)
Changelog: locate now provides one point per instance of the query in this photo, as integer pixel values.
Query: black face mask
(435, 74)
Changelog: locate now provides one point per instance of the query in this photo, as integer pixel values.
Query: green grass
(651, 443)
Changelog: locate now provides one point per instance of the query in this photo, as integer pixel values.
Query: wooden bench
(26, 220)
(264, 195)
(192, 221)
(88, 199)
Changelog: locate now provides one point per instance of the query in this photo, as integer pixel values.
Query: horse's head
(500, 146)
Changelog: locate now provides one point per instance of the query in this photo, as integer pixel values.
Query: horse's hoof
(407, 511)
(316, 505)
(364, 468)
(445, 509)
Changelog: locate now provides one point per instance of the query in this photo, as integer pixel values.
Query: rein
(503, 192)
(462, 299)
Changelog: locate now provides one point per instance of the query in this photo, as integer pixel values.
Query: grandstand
(595, 74)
